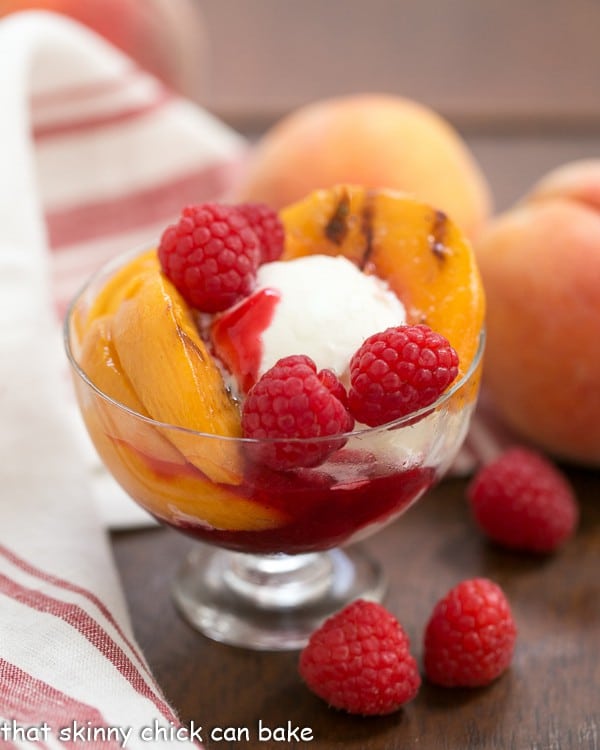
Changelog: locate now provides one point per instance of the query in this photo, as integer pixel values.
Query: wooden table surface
(548, 700)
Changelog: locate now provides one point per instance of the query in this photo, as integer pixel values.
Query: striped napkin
(96, 158)
(107, 156)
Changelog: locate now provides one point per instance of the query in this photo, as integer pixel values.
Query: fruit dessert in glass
(278, 387)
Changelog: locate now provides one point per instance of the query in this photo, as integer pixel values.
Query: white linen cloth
(96, 157)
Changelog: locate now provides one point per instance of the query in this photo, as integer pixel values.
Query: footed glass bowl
(276, 552)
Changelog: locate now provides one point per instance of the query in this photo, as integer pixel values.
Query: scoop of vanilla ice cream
(327, 308)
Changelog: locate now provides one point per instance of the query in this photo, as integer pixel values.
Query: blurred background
(525, 73)
(521, 74)
(473, 61)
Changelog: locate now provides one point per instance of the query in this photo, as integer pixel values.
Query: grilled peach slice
(173, 494)
(190, 497)
(119, 287)
(175, 377)
(100, 362)
(417, 249)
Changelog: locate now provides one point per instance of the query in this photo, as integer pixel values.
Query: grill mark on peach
(437, 235)
(336, 228)
(184, 337)
(189, 343)
(367, 219)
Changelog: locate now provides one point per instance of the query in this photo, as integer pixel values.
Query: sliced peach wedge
(121, 286)
(173, 494)
(176, 378)
(189, 496)
(100, 361)
(418, 250)
(142, 350)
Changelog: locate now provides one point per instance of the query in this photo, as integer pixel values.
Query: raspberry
(521, 500)
(268, 228)
(359, 661)
(211, 256)
(331, 381)
(470, 636)
(291, 401)
(399, 371)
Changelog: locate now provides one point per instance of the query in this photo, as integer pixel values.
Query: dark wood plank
(550, 698)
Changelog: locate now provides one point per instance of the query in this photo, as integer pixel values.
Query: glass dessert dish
(275, 553)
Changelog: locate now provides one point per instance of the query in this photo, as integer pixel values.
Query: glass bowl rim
(404, 421)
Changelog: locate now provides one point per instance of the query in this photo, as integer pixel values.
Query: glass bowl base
(271, 602)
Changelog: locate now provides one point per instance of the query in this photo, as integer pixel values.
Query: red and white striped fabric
(98, 157)
(95, 158)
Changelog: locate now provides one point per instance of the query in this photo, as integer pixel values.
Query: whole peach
(540, 264)
(371, 140)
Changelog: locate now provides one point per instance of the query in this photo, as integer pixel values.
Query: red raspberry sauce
(237, 335)
(323, 512)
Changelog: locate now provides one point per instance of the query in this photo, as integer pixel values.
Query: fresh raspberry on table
(470, 636)
(268, 228)
(291, 401)
(211, 255)
(521, 500)
(399, 371)
(359, 661)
